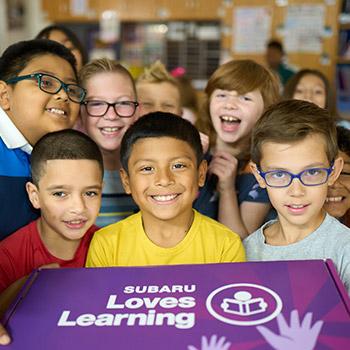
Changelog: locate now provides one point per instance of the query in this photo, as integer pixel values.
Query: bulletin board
(308, 30)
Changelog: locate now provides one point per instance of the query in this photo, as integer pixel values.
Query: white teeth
(297, 206)
(229, 119)
(110, 129)
(75, 222)
(57, 111)
(165, 198)
(334, 199)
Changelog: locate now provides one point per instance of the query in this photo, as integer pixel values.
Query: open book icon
(243, 304)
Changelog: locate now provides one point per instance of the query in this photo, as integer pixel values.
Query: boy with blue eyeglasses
(295, 157)
(39, 93)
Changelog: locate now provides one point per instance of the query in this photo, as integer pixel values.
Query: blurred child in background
(313, 86)
(157, 90)
(276, 61)
(68, 39)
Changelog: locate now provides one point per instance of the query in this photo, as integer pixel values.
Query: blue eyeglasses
(308, 177)
(52, 85)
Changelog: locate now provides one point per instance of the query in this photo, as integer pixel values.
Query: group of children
(157, 186)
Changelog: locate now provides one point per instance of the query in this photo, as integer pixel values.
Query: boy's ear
(32, 191)
(259, 179)
(4, 96)
(202, 172)
(337, 168)
(125, 180)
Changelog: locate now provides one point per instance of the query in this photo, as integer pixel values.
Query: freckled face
(233, 115)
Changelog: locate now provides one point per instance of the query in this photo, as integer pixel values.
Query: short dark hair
(160, 124)
(73, 38)
(292, 121)
(275, 44)
(17, 56)
(343, 137)
(63, 144)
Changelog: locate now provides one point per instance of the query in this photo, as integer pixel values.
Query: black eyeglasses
(308, 177)
(124, 109)
(52, 85)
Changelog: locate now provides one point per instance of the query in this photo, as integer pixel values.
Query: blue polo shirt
(15, 207)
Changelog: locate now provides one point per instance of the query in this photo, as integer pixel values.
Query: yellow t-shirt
(126, 244)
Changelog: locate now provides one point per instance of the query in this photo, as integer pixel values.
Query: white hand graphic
(213, 344)
(299, 335)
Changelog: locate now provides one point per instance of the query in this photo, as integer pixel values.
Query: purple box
(289, 305)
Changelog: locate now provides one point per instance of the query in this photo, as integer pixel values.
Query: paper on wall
(304, 26)
(251, 29)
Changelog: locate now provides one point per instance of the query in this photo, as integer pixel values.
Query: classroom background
(197, 35)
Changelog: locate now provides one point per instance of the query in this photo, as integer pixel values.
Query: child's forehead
(302, 141)
(66, 167)
(50, 63)
(160, 147)
(240, 91)
(145, 86)
(110, 75)
(308, 150)
(109, 84)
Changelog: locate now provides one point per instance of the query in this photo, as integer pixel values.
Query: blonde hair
(103, 65)
(157, 73)
(242, 76)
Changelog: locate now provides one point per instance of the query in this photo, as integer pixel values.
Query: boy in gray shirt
(295, 157)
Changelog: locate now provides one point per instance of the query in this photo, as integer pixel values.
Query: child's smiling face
(233, 115)
(163, 178)
(298, 206)
(338, 197)
(107, 131)
(69, 196)
(35, 112)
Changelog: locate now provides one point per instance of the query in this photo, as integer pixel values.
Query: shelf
(344, 26)
(342, 60)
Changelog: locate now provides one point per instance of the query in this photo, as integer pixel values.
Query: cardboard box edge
(338, 284)
(19, 297)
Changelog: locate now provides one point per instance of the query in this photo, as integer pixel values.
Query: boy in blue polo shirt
(38, 94)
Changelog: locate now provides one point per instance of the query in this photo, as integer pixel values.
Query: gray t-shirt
(331, 240)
